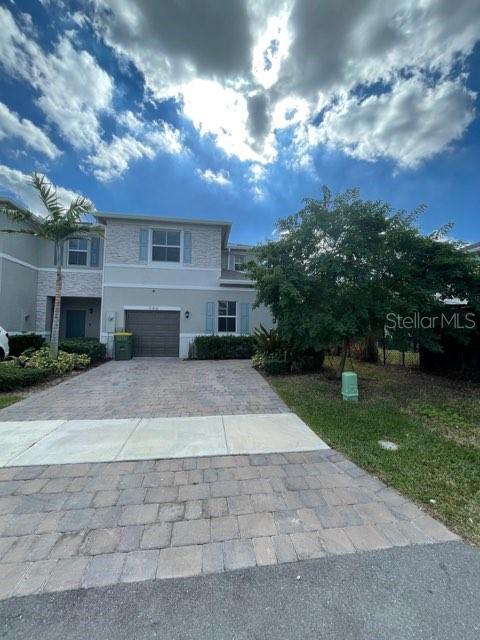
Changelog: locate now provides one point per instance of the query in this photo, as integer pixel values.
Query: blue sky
(239, 110)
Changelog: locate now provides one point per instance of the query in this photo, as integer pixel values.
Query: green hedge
(222, 347)
(88, 346)
(274, 367)
(22, 341)
(13, 377)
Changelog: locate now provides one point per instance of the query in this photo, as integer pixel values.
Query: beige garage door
(155, 333)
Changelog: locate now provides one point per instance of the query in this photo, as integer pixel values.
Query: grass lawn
(435, 422)
(6, 400)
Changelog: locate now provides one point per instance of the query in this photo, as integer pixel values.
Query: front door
(75, 323)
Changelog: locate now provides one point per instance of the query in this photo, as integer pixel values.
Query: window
(78, 251)
(227, 316)
(165, 246)
(239, 261)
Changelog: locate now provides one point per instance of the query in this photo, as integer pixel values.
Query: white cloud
(221, 178)
(248, 70)
(111, 159)
(245, 72)
(72, 89)
(410, 123)
(223, 113)
(12, 126)
(130, 121)
(256, 176)
(18, 183)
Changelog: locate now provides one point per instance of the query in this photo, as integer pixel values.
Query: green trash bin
(123, 345)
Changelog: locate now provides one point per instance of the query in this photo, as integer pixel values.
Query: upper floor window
(165, 245)
(239, 261)
(227, 316)
(78, 251)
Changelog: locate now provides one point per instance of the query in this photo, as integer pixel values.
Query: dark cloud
(331, 39)
(258, 116)
(212, 36)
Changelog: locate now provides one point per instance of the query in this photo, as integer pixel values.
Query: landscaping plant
(22, 341)
(14, 377)
(277, 356)
(63, 363)
(96, 350)
(222, 347)
(342, 264)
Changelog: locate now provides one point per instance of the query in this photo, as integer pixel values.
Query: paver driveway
(150, 388)
(87, 525)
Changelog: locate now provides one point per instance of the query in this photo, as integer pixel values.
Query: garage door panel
(155, 333)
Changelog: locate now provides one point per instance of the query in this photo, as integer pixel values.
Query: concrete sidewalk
(76, 441)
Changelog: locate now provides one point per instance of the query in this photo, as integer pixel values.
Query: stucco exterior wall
(18, 277)
(18, 286)
(92, 316)
(116, 300)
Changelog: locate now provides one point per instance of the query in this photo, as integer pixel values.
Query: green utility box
(123, 345)
(349, 385)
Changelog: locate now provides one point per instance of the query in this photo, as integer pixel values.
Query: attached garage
(155, 333)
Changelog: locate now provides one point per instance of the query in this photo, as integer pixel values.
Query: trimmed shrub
(91, 347)
(274, 367)
(19, 343)
(222, 347)
(13, 377)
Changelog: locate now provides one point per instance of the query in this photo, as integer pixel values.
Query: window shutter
(94, 252)
(143, 246)
(244, 317)
(187, 247)
(210, 317)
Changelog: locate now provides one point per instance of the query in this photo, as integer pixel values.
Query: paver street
(89, 525)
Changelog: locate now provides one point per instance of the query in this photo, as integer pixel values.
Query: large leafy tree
(341, 265)
(61, 224)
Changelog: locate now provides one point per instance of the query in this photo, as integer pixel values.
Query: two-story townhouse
(165, 279)
(169, 279)
(27, 281)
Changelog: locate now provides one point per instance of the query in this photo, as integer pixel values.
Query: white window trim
(223, 333)
(131, 307)
(162, 263)
(87, 251)
(243, 263)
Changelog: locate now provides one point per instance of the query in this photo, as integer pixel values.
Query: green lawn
(6, 400)
(434, 421)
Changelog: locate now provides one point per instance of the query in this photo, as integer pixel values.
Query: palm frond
(17, 214)
(27, 231)
(97, 230)
(48, 195)
(79, 207)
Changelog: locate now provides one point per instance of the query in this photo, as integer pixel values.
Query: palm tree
(61, 224)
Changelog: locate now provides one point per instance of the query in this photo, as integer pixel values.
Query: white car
(4, 349)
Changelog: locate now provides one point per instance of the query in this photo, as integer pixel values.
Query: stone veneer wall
(122, 240)
(77, 284)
